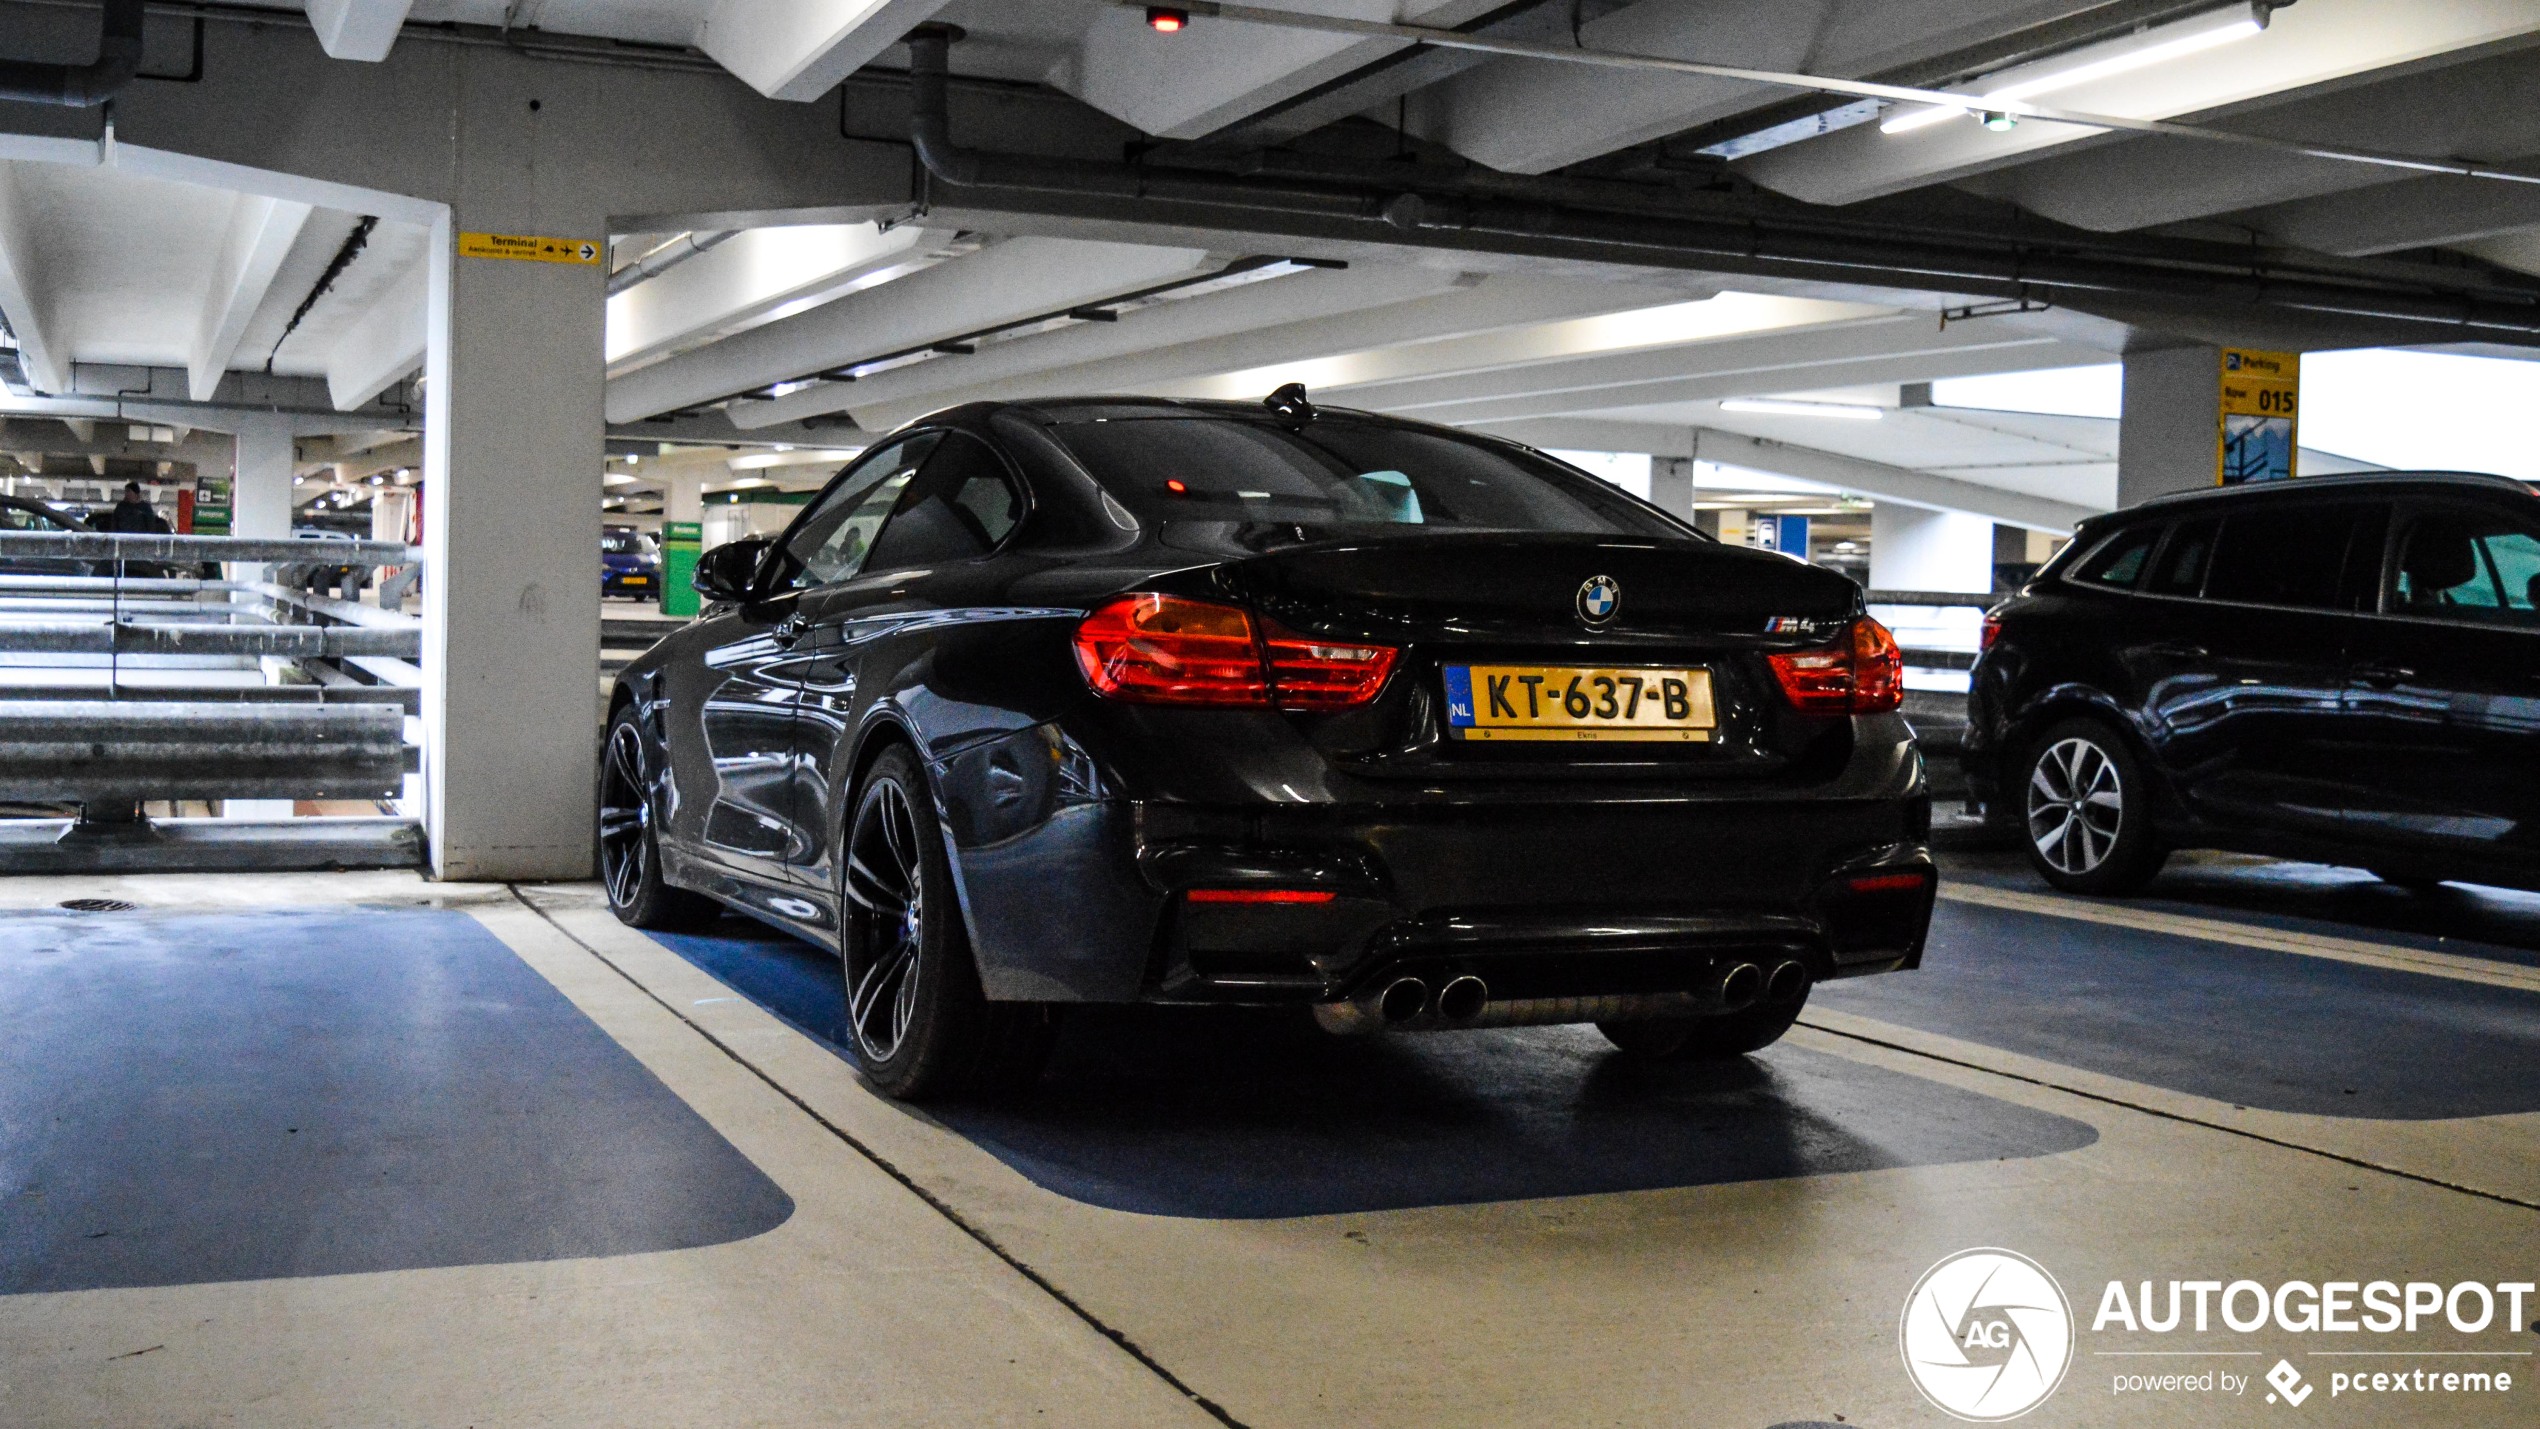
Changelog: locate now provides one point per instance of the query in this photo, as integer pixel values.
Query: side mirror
(726, 572)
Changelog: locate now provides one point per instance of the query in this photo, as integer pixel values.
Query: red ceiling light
(1166, 19)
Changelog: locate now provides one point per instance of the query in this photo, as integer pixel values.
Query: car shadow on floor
(1234, 1113)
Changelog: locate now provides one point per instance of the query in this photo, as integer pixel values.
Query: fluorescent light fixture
(2143, 49)
(1777, 407)
(1762, 141)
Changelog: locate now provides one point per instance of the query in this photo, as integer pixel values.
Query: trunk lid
(1460, 605)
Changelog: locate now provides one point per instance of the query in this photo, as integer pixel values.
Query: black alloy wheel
(630, 856)
(2088, 807)
(921, 1024)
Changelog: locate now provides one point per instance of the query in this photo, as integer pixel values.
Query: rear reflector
(1886, 882)
(1169, 650)
(1863, 672)
(1259, 895)
(1990, 631)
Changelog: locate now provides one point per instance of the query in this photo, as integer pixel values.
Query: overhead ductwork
(1608, 221)
(82, 86)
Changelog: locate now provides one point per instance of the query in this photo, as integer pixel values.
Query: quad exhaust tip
(1789, 983)
(1402, 1000)
(1463, 998)
(1741, 987)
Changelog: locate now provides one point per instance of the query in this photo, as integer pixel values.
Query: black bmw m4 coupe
(1136, 701)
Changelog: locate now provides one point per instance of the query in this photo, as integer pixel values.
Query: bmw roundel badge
(1599, 598)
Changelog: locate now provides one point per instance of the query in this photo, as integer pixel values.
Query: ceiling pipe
(1563, 217)
(82, 86)
(666, 257)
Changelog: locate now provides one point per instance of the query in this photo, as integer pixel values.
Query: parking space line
(2247, 935)
(2111, 1091)
(889, 1168)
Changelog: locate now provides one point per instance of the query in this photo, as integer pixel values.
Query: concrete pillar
(260, 493)
(2172, 418)
(259, 505)
(513, 450)
(1671, 484)
(1914, 549)
(684, 493)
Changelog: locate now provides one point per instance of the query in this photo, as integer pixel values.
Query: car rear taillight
(1863, 672)
(1992, 631)
(1164, 650)
(1169, 650)
(1310, 674)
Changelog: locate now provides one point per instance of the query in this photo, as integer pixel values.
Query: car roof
(2381, 483)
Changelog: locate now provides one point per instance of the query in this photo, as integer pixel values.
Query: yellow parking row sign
(2261, 392)
(529, 247)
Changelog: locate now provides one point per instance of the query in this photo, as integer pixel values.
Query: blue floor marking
(1232, 1114)
(2254, 1028)
(245, 1096)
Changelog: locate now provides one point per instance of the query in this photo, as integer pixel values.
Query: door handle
(2174, 650)
(2384, 676)
(790, 629)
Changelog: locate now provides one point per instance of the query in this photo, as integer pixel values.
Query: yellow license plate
(639, 580)
(1571, 703)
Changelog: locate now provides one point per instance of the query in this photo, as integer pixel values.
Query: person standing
(133, 514)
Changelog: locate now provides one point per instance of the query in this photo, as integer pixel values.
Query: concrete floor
(358, 1149)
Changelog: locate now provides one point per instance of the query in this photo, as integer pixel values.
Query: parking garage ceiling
(2374, 152)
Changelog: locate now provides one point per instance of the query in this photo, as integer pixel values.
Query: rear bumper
(1074, 893)
(1574, 902)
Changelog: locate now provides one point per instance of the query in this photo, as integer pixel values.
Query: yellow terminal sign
(529, 248)
(2261, 398)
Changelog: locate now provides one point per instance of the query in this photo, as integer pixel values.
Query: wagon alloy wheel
(2089, 805)
(625, 817)
(886, 880)
(2076, 805)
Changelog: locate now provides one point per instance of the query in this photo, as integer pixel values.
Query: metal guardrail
(194, 550)
(117, 689)
(134, 750)
(1932, 597)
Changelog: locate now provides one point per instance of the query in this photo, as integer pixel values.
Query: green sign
(680, 543)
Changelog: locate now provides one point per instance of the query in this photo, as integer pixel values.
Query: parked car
(17, 513)
(2344, 669)
(630, 564)
(1176, 702)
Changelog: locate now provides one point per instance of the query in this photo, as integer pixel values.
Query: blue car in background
(630, 564)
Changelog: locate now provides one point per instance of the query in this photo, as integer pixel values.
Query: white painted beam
(1203, 78)
(384, 344)
(45, 359)
(750, 278)
(799, 49)
(357, 29)
(2318, 42)
(1006, 282)
(1877, 480)
(1330, 312)
(260, 234)
(1529, 116)
(1852, 352)
(2436, 109)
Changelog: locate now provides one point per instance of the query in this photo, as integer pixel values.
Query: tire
(1704, 1039)
(630, 853)
(2086, 811)
(921, 1027)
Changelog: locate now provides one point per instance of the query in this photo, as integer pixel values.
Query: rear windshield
(1337, 472)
